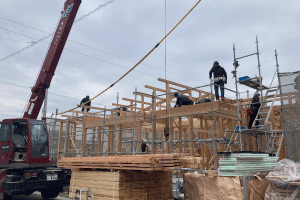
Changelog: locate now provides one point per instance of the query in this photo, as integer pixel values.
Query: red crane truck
(25, 166)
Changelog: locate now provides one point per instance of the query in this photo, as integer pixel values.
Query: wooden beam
(191, 136)
(120, 136)
(67, 138)
(74, 140)
(180, 133)
(99, 139)
(60, 140)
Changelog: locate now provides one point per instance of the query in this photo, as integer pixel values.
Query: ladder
(261, 111)
(275, 140)
(265, 115)
(88, 191)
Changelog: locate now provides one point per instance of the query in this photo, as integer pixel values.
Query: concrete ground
(36, 196)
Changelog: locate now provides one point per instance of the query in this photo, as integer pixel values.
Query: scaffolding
(206, 126)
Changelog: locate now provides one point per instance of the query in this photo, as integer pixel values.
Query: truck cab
(23, 141)
(24, 160)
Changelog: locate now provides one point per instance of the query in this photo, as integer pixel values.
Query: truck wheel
(50, 193)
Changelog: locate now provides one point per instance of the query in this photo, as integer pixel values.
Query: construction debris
(285, 181)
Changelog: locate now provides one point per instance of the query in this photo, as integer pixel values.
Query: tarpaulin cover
(201, 187)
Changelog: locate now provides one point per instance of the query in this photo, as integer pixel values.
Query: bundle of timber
(132, 162)
(245, 164)
(285, 181)
(191, 162)
(123, 185)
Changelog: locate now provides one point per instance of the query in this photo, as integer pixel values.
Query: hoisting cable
(135, 64)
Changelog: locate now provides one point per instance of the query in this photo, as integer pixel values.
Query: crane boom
(50, 63)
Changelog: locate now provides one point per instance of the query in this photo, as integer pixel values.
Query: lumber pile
(245, 164)
(191, 162)
(124, 185)
(285, 181)
(131, 162)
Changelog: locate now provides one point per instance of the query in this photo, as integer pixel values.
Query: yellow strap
(137, 63)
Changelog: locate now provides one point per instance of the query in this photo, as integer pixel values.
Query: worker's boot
(223, 98)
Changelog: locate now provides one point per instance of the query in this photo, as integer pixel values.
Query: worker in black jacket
(255, 104)
(86, 99)
(220, 77)
(182, 100)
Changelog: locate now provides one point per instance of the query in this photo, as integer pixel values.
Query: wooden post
(191, 136)
(67, 141)
(201, 136)
(154, 137)
(139, 135)
(111, 138)
(120, 136)
(142, 103)
(99, 141)
(84, 142)
(60, 140)
(131, 108)
(172, 131)
(206, 150)
(74, 139)
(180, 134)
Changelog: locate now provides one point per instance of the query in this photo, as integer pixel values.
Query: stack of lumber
(132, 162)
(245, 164)
(191, 162)
(135, 185)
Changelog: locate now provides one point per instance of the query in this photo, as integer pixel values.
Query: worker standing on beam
(182, 100)
(84, 100)
(220, 78)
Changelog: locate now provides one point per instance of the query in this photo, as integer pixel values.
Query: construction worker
(255, 104)
(122, 108)
(220, 78)
(144, 147)
(182, 100)
(86, 99)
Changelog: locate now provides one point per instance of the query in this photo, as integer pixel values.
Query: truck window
(5, 132)
(39, 138)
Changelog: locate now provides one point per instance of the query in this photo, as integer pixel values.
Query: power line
(55, 94)
(13, 40)
(82, 54)
(48, 36)
(104, 51)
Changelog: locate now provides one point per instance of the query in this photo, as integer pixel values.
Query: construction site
(176, 142)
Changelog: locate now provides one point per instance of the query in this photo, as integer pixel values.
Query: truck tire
(50, 193)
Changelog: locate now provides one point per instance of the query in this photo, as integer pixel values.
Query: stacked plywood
(136, 185)
(243, 164)
(133, 162)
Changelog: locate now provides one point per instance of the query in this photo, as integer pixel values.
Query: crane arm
(50, 63)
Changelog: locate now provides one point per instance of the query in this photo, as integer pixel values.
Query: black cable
(255, 190)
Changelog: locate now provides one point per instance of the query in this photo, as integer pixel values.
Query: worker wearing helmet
(182, 100)
(84, 100)
(220, 78)
(255, 104)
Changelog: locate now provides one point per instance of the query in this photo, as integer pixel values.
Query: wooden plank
(191, 136)
(180, 133)
(67, 141)
(60, 140)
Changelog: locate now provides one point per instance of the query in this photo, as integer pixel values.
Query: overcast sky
(120, 34)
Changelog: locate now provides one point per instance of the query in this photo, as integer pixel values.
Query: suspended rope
(137, 63)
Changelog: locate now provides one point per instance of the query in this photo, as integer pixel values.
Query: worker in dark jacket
(255, 104)
(220, 78)
(182, 100)
(86, 99)
(122, 108)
